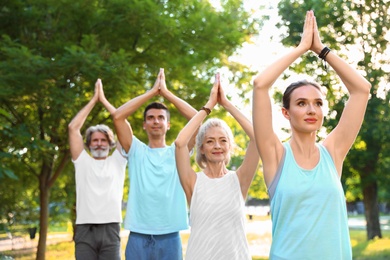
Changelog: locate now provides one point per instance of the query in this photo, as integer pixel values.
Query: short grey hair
(212, 122)
(103, 129)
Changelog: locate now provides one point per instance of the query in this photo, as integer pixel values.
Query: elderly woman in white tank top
(216, 196)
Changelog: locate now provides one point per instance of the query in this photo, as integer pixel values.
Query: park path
(258, 233)
(25, 243)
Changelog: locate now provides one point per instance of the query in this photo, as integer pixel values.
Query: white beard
(101, 153)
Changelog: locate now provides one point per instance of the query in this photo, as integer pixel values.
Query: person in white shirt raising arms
(99, 185)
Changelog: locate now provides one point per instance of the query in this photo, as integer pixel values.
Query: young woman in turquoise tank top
(307, 200)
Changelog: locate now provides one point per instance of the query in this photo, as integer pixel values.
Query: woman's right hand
(317, 44)
(213, 99)
(308, 29)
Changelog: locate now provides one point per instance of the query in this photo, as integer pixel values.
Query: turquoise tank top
(308, 210)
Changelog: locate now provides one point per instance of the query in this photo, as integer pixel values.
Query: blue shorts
(154, 247)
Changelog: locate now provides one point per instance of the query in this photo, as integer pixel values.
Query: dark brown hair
(293, 86)
(157, 105)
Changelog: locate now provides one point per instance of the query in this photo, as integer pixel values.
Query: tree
(359, 30)
(52, 52)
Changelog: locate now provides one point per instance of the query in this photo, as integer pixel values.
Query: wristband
(207, 110)
(323, 53)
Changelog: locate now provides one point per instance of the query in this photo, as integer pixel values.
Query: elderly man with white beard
(99, 184)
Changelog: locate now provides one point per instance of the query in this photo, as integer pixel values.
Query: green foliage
(258, 188)
(52, 52)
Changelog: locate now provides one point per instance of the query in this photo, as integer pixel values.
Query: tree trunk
(73, 216)
(44, 194)
(46, 180)
(371, 210)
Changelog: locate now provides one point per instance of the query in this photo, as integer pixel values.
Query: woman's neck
(305, 152)
(215, 170)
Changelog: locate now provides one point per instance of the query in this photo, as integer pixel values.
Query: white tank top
(217, 219)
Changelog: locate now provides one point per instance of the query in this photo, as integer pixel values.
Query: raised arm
(107, 105)
(102, 98)
(247, 170)
(268, 144)
(186, 174)
(184, 108)
(340, 140)
(122, 126)
(75, 138)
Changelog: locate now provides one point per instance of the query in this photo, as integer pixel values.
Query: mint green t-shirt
(309, 215)
(156, 203)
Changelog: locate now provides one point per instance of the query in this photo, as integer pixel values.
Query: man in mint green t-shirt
(156, 208)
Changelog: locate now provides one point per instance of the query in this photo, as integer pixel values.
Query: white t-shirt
(99, 188)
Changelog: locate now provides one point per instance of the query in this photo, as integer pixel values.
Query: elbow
(365, 89)
(258, 83)
(368, 87)
(116, 116)
(71, 127)
(179, 144)
(365, 86)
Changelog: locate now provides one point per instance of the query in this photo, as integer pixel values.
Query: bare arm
(268, 144)
(122, 126)
(184, 108)
(75, 138)
(102, 98)
(108, 106)
(186, 174)
(247, 170)
(340, 140)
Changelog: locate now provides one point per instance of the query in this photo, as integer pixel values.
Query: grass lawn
(377, 249)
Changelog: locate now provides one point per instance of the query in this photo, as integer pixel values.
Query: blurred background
(52, 52)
